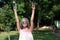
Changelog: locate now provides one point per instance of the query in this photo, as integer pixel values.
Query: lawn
(38, 35)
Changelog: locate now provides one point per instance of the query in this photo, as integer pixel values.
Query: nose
(24, 23)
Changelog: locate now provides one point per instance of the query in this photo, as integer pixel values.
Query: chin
(24, 26)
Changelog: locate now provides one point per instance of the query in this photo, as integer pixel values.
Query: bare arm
(32, 17)
(16, 17)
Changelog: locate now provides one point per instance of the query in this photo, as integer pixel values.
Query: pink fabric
(25, 34)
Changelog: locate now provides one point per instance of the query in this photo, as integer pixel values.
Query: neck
(25, 28)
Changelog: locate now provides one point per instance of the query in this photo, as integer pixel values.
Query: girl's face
(24, 24)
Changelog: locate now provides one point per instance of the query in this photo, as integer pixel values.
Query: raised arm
(32, 17)
(16, 17)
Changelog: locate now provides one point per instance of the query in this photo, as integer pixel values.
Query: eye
(24, 23)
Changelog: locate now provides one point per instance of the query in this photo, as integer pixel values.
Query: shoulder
(31, 30)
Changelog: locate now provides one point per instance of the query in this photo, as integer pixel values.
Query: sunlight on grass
(38, 35)
(4, 35)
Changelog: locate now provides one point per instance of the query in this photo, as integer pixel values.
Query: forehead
(24, 21)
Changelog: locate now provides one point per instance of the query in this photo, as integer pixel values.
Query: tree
(49, 10)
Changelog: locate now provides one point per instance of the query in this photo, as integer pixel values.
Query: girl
(25, 28)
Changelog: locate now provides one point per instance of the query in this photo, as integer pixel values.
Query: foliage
(47, 10)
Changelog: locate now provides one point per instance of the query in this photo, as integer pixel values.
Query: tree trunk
(8, 36)
(38, 21)
(38, 24)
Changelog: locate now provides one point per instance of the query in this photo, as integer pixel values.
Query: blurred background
(47, 17)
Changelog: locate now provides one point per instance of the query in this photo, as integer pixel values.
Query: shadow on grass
(13, 37)
(39, 35)
(45, 35)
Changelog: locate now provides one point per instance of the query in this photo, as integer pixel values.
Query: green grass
(13, 35)
(38, 35)
(45, 35)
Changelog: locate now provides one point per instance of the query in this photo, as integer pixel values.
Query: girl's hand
(33, 6)
(14, 8)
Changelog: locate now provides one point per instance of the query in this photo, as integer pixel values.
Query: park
(43, 17)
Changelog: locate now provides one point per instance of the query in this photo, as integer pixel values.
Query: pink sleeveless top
(25, 35)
